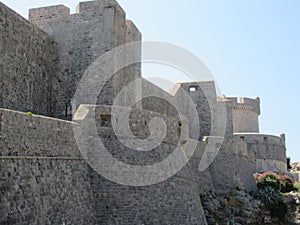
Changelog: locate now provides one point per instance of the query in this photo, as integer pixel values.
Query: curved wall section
(269, 150)
(46, 180)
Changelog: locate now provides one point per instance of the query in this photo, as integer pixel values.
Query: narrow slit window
(66, 110)
(105, 120)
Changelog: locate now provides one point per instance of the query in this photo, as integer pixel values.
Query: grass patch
(29, 113)
(297, 187)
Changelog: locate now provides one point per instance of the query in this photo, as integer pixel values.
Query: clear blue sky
(252, 47)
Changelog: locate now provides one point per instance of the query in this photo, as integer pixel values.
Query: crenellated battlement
(95, 6)
(48, 12)
(89, 7)
(45, 17)
(244, 103)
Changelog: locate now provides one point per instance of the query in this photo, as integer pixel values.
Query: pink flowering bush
(268, 179)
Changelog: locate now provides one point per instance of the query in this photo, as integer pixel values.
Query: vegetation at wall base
(273, 200)
(270, 188)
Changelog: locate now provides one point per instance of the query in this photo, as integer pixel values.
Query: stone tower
(209, 107)
(245, 114)
(79, 39)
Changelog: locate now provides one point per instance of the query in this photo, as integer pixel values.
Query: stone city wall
(233, 167)
(25, 64)
(46, 180)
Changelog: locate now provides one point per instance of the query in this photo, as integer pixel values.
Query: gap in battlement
(81, 7)
(240, 100)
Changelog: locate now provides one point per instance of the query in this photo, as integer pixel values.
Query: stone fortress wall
(45, 177)
(25, 64)
(242, 154)
(269, 150)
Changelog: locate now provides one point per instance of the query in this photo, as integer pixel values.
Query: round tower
(245, 112)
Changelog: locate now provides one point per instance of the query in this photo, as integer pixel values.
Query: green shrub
(29, 113)
(297, 187)
(279, 210)
(273, 200)
(269, 196)
(287, 184)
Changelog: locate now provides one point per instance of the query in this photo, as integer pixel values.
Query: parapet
(139, 122)
(92, 8)
(243, 103)
(83, 7)
(31, 135)
(48, 12)
(253, 138)
(269, 150)
(96, 6)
